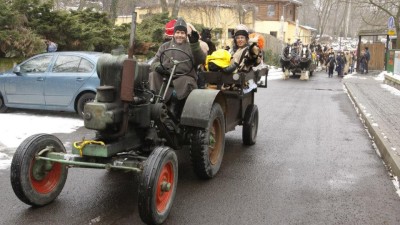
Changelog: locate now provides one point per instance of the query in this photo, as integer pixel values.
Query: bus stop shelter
(377, 49)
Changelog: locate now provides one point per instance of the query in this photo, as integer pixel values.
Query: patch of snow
(391, 89)
(5, 161)
(375, 125)
(396, 185)
(381, 76)
(14, 126)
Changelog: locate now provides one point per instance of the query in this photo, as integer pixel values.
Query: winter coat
(183, 85)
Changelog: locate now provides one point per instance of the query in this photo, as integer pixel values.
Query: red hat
(169, 28)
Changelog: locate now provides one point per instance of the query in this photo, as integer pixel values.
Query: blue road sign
(391, 22)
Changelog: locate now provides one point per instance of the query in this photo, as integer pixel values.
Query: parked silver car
(62, 81)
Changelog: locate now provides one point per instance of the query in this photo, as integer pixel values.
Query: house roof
(308, 27)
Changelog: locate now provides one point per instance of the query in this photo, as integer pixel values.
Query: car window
(72, 64)
(66, 64)
(36, 65)
(85, 66)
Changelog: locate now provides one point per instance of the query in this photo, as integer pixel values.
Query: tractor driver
(189, 44)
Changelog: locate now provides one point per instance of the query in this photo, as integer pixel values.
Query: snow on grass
(15, 127)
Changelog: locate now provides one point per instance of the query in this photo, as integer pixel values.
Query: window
(65, 64)
(231, 32)
(85, 66)
(36, 65)
(72, 64)
(271, 10)
(273, 33)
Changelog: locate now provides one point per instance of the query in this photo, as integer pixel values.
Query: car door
(68, 74)
(26, 87)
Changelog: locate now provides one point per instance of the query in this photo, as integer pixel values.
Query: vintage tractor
(138, 131)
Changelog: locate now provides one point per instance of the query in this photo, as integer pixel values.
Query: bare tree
(175, 9)
(82, 4)
(381, 10)
(164, 6)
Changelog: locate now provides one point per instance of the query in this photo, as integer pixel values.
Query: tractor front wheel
(157, 186)
(37, 182)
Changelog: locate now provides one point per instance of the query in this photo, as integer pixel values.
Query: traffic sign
(391, 22)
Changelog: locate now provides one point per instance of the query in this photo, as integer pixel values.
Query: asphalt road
(313, 163)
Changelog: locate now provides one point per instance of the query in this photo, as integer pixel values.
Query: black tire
(3, 107)
(31, 181)
(264, 85)
(208, 145)
(155, 203)
(250, 125)
(83, 99)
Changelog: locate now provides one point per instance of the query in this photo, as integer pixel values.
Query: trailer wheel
(37, 182)
(157, 186)
(208, 145)
(250, 125)
(264, 84)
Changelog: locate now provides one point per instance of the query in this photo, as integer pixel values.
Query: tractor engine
(123, 103)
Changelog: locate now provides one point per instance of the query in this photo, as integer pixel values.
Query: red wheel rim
(163, 196)
(49, 180)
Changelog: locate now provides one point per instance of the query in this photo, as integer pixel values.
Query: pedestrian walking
(348, 63)
(330, 64)
(340, 61)
(363, 62)
(367, 58)
(353, 62)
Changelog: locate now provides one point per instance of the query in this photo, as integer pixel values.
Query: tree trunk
(348, 16)
(175, 10)
(114, 10)
(82, 4)
(164, 6)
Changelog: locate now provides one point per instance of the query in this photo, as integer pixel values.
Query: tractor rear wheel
(37, 182)
(157, 186)
(208, 145)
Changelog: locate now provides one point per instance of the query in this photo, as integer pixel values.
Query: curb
(392, 81)
(391, 159)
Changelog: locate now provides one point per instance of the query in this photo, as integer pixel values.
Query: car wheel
(3, 107)
(85, 98)
(208, 145)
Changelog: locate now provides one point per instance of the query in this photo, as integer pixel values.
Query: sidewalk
(379, 107)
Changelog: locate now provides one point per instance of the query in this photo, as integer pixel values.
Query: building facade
(274, 17)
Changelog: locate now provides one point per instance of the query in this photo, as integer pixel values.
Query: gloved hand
(231, 68)
(159, 69)
(194, 37)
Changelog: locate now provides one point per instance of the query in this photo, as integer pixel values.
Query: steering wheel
(174, 61)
